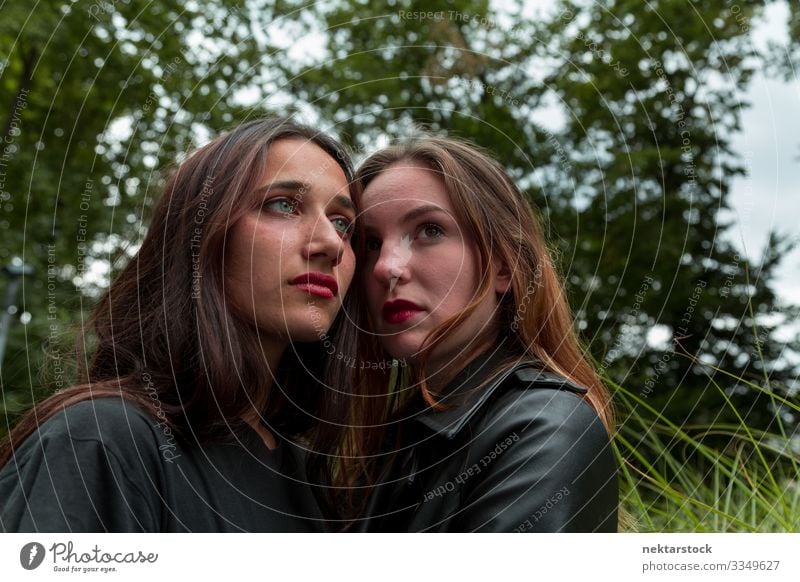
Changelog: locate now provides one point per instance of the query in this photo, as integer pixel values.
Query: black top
(523, 453)
(105, 465)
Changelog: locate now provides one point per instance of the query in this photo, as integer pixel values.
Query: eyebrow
(345, 201)
(412, 215)
(419, 211)
(299, 186)
(295, 185)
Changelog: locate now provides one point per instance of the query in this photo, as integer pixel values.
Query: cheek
(253, 256)
(441, 272)
(346, 269)
(251, 240)
(450, 279)
(237, 254)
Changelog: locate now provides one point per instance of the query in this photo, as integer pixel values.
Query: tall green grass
(718, 477)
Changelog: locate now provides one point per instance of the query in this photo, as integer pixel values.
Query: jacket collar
(469, 390)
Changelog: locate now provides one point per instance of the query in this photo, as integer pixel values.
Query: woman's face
(422, 267)
(289, 261)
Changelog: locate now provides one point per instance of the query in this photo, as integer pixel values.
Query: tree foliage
(617, 118)
(96, 100)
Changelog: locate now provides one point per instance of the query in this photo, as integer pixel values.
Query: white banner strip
(401, 558)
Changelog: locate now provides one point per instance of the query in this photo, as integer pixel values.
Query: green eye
(282, 205)
(343, 225)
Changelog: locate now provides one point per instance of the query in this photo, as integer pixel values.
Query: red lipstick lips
(317, 284)
(399, 310)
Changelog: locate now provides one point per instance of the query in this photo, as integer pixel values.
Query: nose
(392, 265)
(324, 242)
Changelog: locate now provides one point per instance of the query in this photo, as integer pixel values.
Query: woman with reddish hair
(499, 423)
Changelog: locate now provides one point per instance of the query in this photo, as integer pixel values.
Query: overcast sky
(769, 198)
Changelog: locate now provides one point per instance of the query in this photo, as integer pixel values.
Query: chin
(408, 348)
(308, 328)
(400, 347)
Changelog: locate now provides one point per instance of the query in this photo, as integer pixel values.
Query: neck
(440, 371)
(272, 352)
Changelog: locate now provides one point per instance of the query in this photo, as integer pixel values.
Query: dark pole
(14, 272)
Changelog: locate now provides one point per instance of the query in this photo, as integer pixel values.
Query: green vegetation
(715, 477)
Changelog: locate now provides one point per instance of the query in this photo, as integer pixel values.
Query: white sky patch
(550, 115)
(201, 135)
(310, 48)
(659, 336)
(247, 96)
(530, 8)
(768, 198)
(121, 128)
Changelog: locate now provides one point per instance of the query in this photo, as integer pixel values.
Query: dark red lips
(317, 284)
(399, 310)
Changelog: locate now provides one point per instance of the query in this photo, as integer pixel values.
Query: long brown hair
(534, 312)
(163, 336)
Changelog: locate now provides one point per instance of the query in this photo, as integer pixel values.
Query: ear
(502, 276)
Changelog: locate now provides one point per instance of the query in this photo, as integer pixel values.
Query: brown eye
(430, 231)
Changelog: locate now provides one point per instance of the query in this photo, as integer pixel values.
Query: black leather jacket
(524, 453)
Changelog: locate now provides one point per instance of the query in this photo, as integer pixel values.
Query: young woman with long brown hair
(499, 423)
(208, 353)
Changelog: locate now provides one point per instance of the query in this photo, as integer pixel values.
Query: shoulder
(92, 466)
(115, 424)
(544, 405)
(99, 418)
(550, 434)
(545, 459)
(93, 437)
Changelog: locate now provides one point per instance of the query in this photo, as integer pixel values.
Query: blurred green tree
(95, 99)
